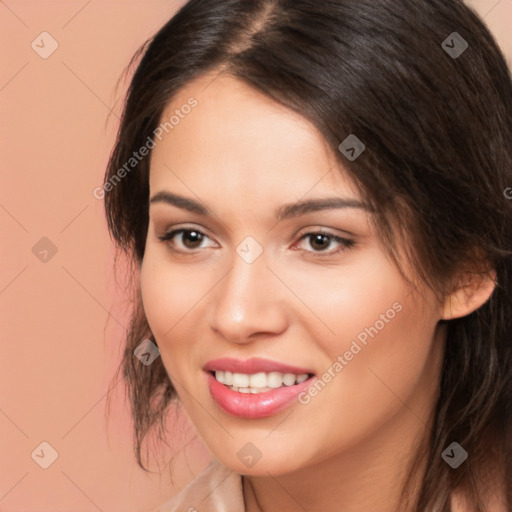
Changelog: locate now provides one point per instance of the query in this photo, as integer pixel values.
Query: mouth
(255, 388)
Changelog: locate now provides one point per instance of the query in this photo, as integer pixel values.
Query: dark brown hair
(438, 134)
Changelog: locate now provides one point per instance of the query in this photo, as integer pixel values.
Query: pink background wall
(59, 346)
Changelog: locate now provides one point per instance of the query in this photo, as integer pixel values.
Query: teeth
(258, 382)
(274, 380)
(240, 380)
(289, 379)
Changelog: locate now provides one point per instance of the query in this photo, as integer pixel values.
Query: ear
(472, 291)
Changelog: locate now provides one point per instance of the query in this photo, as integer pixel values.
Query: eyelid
(331, 231)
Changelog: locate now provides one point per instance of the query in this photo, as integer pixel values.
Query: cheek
(168, 293)
(375, 334)
(167, 296)
(347, 299)
(396, 369)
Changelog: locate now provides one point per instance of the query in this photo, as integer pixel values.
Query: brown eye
(183, 239)
(191, 239)
(319, 241)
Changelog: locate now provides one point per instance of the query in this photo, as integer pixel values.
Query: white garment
(215, 489)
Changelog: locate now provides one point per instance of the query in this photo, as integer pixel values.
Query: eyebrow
(284, 212)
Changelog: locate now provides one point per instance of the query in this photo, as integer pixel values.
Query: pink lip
(249, 405)
(254, 406)
(253, 365)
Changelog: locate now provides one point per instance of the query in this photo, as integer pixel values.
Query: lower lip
(254, 405)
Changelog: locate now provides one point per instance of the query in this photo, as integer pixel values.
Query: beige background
(59, 345)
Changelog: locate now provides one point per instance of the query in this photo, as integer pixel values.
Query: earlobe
(472, 291)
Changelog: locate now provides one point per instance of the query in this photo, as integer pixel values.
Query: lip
(253, 365)
(258, 405)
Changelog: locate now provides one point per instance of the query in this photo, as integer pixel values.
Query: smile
(256, 388)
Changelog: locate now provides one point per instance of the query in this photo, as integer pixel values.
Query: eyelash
(344, 242)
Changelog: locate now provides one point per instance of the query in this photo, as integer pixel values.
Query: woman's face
(254, 277)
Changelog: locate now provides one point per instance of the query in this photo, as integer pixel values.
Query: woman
(313, 193)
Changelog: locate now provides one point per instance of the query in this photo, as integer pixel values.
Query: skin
(244, 156)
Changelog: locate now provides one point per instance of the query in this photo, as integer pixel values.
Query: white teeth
(240, 380)
(258, 382)
(274, 380)
(254, 391)
(289, 379)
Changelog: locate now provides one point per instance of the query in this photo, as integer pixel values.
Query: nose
(249, 302)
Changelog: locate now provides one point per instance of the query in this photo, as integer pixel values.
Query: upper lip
(253, 365)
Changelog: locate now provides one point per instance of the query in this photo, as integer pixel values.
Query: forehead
(241, 142)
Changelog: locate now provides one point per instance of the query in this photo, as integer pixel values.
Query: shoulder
(215, 489)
